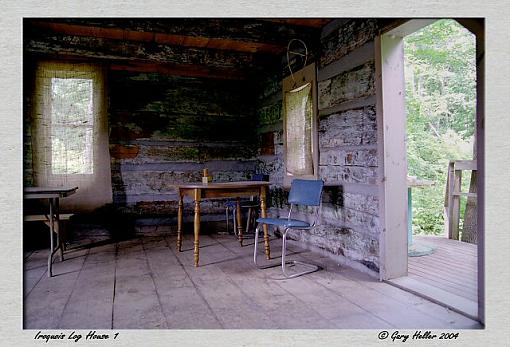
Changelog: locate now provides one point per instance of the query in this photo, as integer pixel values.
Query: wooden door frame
(391, 131)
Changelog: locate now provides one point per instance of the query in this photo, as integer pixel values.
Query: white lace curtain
(299, 117)
(70, 133)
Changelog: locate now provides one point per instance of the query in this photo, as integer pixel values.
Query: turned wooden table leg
(264, 227)
(179, 223)
(197, 226)
(239, 221)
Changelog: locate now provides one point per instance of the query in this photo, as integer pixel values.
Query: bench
(44, 217)
(63, 217)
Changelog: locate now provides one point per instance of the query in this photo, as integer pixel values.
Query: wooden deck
(144, 283)
(449, 275)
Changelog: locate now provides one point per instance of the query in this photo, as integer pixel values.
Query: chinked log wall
(347, 143)
(165, 130)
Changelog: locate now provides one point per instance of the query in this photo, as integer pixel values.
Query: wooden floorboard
(449, 273)
(308, 296)
(144, 283)
(462, 281)
(360, 289)
(90, 304)
(452, 267)
(44, 305)
(183, 305)
(134, 283)
(35, 267)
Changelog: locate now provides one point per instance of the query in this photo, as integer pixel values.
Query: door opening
(440, 107)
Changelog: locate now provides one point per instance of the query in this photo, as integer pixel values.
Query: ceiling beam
(306, 22)
(93, 47)
(188, 70)
(179, 70)
(243, 35)
(160, 38)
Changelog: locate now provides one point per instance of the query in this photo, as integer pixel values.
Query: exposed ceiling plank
(179, 70)
(188, 70)
(307, 22)
(243, 36)
(93, 47)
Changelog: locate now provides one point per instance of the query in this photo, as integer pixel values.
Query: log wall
(164, 130)
(350, 224)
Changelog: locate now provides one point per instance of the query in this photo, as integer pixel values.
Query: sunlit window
(72, 124)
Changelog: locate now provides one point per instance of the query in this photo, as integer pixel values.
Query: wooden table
(53, 195)
(199, 191)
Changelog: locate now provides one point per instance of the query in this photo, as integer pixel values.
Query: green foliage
(440, 73)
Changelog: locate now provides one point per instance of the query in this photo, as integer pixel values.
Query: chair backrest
(306, 192)
(260, 177)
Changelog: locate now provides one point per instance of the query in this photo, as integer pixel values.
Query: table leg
(58, 230)
(50, 256)
(179, 223)
(263, 213)
(197, 226)
(239, 221)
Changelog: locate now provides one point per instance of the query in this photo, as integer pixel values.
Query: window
(300, 125)
(69, 133)
(72, 125)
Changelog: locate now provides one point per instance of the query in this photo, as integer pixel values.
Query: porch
(449, 275)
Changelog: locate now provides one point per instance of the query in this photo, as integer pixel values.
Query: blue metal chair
(304, 193)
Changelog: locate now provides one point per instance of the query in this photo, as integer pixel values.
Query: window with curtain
(300, 128)
(70, 133)
(72, 126)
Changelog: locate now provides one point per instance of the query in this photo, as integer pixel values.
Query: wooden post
(197, 226)
(455, 204)
(391, 154)
(447, 200)
(469, 231)
(264, 215)
(179, 222)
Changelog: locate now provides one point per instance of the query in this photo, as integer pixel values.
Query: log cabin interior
(137, 112)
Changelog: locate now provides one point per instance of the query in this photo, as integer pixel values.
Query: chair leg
(226, 216)
(248, 220)
(256, 242)
(311, 267)
(234, 211)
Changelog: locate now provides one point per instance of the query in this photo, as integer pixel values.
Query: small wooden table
(53, 195)
(199, 191)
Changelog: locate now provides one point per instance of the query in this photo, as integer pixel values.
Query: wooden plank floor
(144, 283)
(452, 267)
(449, 275)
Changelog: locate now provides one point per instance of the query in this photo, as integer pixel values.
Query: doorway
(415, 274)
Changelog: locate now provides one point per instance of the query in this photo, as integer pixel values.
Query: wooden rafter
(306, 22)
(251, 36)
(180, 70)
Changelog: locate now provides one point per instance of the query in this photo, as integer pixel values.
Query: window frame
(43, 80)
(308, 74)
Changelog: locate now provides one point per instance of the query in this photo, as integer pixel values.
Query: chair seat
(284, 222)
